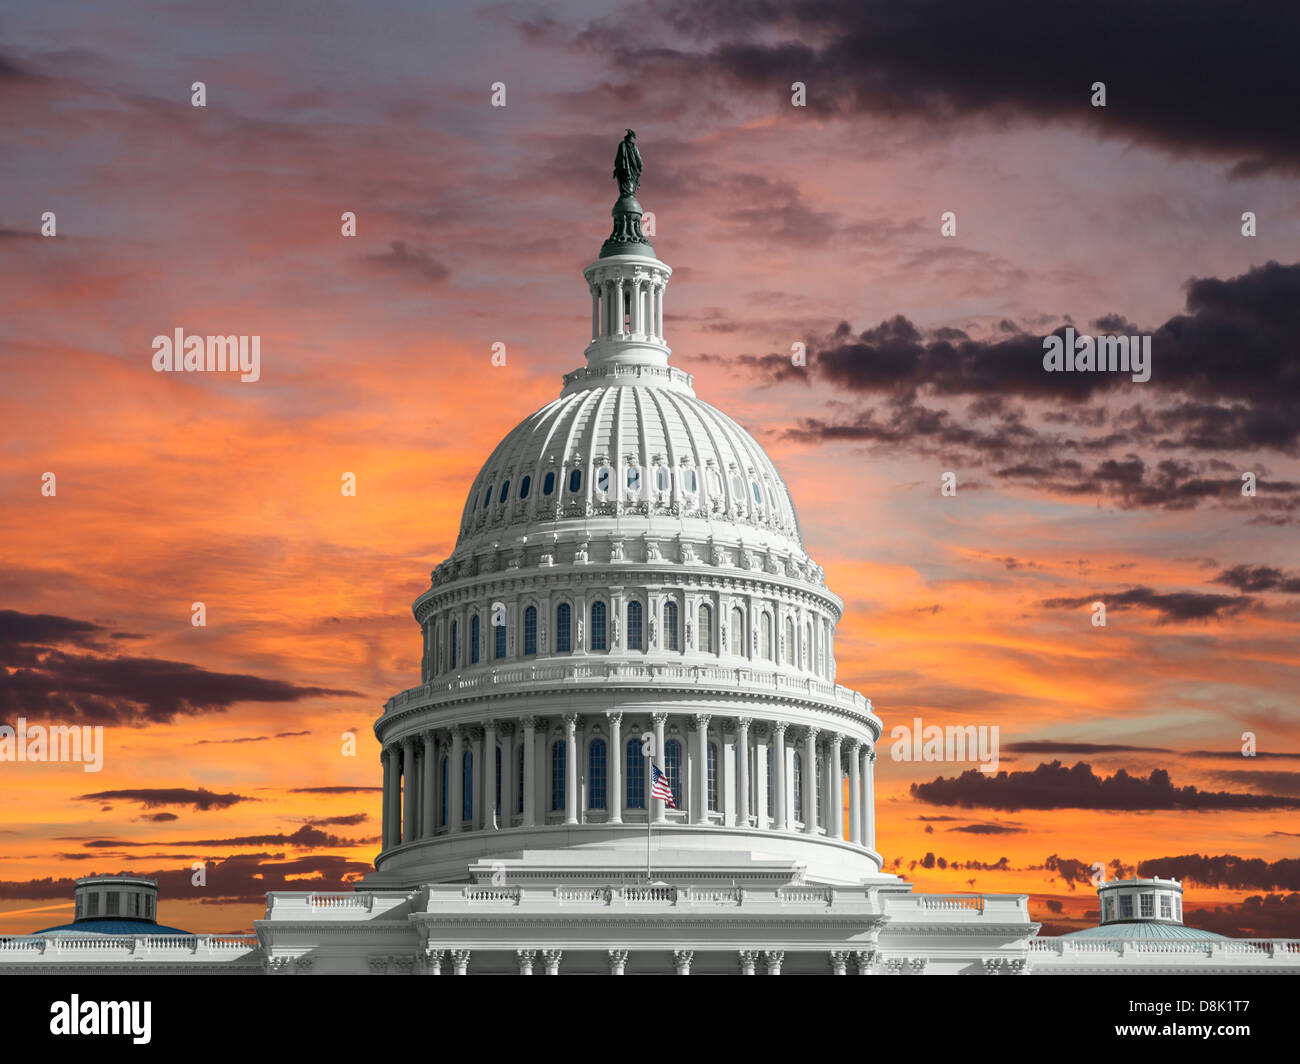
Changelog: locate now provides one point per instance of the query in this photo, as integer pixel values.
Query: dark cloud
(1227, 870)
(306, 837)
(1259, 916)
(40, 680)
(1054, 786)
(415, 263)
(1053, 747)
(1172, 607)
(1277, 782)
(351, 820)
(151, 797)
(1259, 578)
(333, 790)
(1171, 81)
(988, 829)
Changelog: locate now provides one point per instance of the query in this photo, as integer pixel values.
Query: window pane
(673, 769)
(713, 777)
(505, 492)
(634, 626)
(498, 802)
(454, 647)
(519, 783)
(563, 620)
(558, 754)
(737, 632)
(467, 787)
(633, 478)
(602, 479)
(501, 640)
(635, 775)
(473, 640)
(663, 478)
(530, 630)
(706, 629)
(488, 497)
(670, 625)
(443, 803)
(548, 485)
(596, 775)
(524, 485)
(575, 481)
(798, 786)
(598, 641)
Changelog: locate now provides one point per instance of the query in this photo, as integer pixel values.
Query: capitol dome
(629, 576)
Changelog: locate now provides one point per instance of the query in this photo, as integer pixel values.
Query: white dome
(633, 443)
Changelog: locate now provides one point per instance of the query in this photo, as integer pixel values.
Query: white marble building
(629, 564)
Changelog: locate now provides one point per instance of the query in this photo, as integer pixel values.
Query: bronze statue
(627, 165)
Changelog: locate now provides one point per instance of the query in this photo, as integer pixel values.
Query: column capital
(744, 722)
(490, 723)
(780, 727)
(810, 734)
(529, 722)
(855, 745)
(615, 721)
(836, 740)
(682, 960)
(660, 718)
(505, 729)
(871, 756)
(570, 723)
(702, 720)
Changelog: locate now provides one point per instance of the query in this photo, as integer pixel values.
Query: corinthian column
(835, 827)
(742, 772)
(855, 792)
(570, 768)
(778, 775)
(614, 799)
(428, 785)
(810, 782)
(410, 790)
(659, 813)
(702, 773)
(530, 770)
(386, 760)
(456, 790)
(869, 802)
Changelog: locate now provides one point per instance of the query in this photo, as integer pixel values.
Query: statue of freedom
(627, 165)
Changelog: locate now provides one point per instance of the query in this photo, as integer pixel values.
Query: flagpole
(648, 819)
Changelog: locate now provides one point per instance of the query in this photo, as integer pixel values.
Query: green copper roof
(1142, 929)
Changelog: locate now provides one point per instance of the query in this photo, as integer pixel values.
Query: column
(778, 776)
(839, 962)
(774, 957)
(456, 784)
(595, 312)
(742, 771)
(810, 782)
(530, 771)
(489, 774)
(526, 958)
(614, 796)
(618, 303)
(637, 314)
(837, 789)
(460, 962)
(617, 961)
(428, 786)
(552, 957)
(762, 768)
(682, 961)
(570, 768)
(386, 760)
(855, 793)
(658, 811)
(509, 774)
(869, 802)
(748, 958)
(701, 809)
(410, 790)
(659, 311)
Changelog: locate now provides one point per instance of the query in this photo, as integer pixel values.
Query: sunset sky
(783, 224)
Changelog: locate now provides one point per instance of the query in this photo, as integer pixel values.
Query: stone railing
(1261, 948)
(154, 945)
(596, 672)
(510, 895)
(344, 900)
(951, 902)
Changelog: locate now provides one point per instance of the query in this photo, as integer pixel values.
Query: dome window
(505, 491)
(737, 487)
(488, 497)
(758, 499)
(575, 481)
(602, 479)
(688, 478)
(633, 478)
(662, 477)
(548, 485)
(524, 485)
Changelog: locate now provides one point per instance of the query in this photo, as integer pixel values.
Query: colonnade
(440, 961)
(728, 771)
(645, 316)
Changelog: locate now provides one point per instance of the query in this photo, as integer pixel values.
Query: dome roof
(626, 442)
(112, 925)
(1142, 929)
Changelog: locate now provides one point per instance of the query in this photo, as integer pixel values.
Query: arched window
(789, 642)
(467, 788)
(455, 635)
(530, 630)
(673, 770)
(670, 625)
(575, 481)
(766, 627)
(798, 786)
(633, 479)
(634, 626)
(635, 775)
(596, 774)
(442, 805)
(821, 781)
(737, 631)
(563, 625)
(548, 485)
(713, 777)
(806, 660)
(524, 486)
(559, 752)
(500, 649)
(505, 492)
(519, 782)
(598, 638)
(498, 804)
(706, 628)
(473, 639)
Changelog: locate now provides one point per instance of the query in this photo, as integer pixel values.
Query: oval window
(505, 491)
(633, 478)
(548, 485)
(524, 485)
(575, 481)
(488, 497)
(602, 479)
(663, 478)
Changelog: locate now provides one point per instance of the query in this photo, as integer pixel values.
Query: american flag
(659, 786)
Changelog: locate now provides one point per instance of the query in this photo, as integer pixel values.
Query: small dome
(112, 926)
(1142, 929)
